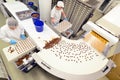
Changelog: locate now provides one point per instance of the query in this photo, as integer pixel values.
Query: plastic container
(39, 25)
(30, 4)
(35, 16)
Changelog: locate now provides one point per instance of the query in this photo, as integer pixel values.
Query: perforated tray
(22, 15)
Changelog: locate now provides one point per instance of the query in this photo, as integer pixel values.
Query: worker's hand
(52, 20)
(22, 36)
(66, 19)
(12, 41)
(55, 24)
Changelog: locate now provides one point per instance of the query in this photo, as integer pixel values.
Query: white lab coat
(56, 14)
(6, 34)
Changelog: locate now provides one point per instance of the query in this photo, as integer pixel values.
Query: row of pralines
(79, 52)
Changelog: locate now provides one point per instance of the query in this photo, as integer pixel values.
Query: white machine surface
(111, 21)
(70, 59)
(112, 40)
(73, 60)
(89, 26)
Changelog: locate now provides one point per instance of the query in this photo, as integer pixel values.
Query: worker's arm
(63, 14)
(52, 20)
(3, 37)
(52, 16)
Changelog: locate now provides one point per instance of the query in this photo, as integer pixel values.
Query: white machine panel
(110, 21)
(89, 26)
(73, 60)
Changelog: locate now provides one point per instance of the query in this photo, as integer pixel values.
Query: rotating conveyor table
(73, 60)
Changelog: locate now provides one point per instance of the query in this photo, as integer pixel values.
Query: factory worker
(12, 32)
(57, 12)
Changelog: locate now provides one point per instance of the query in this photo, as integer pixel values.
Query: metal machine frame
(77, 13)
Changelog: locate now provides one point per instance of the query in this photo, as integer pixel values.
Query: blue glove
(66, 19)
(22, 36)
(13, 41)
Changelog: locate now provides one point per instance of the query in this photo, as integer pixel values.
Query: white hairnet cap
(60, 4)
(12, 22)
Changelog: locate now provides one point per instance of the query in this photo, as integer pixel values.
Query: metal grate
(77, 13)
(69, 6)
